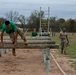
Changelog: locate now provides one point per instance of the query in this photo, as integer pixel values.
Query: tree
(52, 22)
(22, 20)
(72, 26)
(2, 20)
(12, 16)
(66, 25)
(53, 25)
(61, 21)
(34, 20)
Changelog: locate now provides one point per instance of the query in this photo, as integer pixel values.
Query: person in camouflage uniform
(12, 30)
(64, 41)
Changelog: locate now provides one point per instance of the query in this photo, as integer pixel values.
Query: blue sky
(58, 8)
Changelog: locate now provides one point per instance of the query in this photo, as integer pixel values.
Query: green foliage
(74, 64)
(52, 21)
(34, 20)
(54, 24)
(61, 20)
(66, 24)
(72, 25)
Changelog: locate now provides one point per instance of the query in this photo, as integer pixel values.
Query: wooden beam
(31, 38)
(31, 41)
(29, 46)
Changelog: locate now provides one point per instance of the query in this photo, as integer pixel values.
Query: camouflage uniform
(63, 42)
(12, 35)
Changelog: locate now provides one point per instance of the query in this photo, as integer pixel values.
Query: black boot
(65, 52)
(61, 50)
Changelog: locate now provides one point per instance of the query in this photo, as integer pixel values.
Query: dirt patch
(64, 62)
(27, 62)
(30, 62)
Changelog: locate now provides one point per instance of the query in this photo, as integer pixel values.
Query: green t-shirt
(34, 33)
(9, 30)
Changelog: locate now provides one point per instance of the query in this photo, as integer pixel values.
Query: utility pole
(40, 30)
(48, 19)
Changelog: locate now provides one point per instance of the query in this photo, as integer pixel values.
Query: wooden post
(48, 59)
(46, 55)
(7, 50)
(2, 51)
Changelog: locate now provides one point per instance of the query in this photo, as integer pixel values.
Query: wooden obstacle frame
(43, 43)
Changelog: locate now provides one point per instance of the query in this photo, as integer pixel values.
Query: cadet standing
(64, 41)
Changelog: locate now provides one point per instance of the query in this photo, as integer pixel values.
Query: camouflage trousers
(63, 46)
(21, 33)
